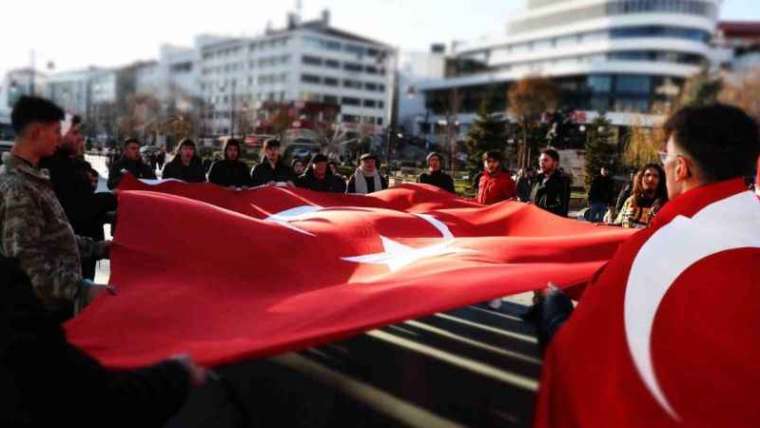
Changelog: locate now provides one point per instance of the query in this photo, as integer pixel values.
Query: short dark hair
(318, 157)
(493, 154)
(28, 110)
(271, 142)
(722, 140)
(232, 142)
(551, 153)
(131, 140)
(185, 142)
(76, 120)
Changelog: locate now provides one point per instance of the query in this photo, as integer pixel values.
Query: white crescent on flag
(729, 224)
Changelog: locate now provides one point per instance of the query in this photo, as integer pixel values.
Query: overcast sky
(77, 33)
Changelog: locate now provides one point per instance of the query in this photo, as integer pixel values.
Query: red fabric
(496, 188)
(199, 270)
(704, 342)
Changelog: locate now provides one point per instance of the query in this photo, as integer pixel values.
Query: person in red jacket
(495, 184)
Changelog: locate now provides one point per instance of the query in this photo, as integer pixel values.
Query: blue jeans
(597, 211)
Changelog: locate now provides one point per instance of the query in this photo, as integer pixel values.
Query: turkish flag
(668, 335)
(227, 275)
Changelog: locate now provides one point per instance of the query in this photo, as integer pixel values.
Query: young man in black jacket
(86, 210)
(130, 162)
(272, 169)
(230, 171)
(45, 381)
(551, 188)
(186, 165)
(319, 178)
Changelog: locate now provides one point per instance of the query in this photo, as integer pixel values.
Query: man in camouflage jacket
(33, 225)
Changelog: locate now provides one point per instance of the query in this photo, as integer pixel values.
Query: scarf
(360, 183)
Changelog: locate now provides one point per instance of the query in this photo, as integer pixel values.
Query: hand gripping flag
(227, 275)
(669, 333)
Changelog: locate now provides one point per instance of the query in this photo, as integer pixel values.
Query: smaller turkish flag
(668, 334)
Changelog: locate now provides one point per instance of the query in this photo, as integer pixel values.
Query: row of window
(690, 7)
(335, 46)
(234, 67)
(347, 83)
(335, 64)
(614, 8)
(596, 36)
(210, 53)
(346, 101)
(244, 98)
(350, 118)
(229, 84)
(650, 56)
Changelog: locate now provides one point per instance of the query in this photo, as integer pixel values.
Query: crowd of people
(51, 225)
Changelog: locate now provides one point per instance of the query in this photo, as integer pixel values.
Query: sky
(77, 33)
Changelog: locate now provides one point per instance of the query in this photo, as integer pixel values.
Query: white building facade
(307, 62)
(620, 57)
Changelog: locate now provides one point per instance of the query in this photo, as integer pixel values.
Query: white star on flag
(397, 255)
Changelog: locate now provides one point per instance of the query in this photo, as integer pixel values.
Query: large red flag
(669, 333)
(226, 275)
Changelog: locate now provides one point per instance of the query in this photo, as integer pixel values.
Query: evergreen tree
(600, 149)
(486, 133)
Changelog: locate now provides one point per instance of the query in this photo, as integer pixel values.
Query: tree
(529, 99)
(744, 92)
(486, 133)
(600, 150)
(700, 90)
(642, 145)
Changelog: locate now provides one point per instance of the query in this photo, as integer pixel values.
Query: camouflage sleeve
(90, 249)
(22, 224)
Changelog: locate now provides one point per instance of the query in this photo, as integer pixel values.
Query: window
(351, 66)
(330, 99)
(310, 78)
(370, 86)
(357, 50)
(329, 81)
(370, 103)
(379, 120)
(371, 69)
(380, 104)
(600, 83)
(332, 63)
(311, 60)
(633, 84)
(350, 101)
(355, 84)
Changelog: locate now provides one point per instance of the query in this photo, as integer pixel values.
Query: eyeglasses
(665, 156)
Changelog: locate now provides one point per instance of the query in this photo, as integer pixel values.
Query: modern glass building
(621, 57)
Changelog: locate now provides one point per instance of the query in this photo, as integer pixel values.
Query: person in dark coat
(46, 381)
(366, 179)
(230, 171)
(435, 175)
(319, 177)
(551, 188)
(272, 169)
(600, 195)
(130, 162)
(185, 165)
(70, 175)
